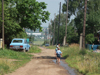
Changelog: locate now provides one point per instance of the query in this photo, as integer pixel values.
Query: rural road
(41, 64)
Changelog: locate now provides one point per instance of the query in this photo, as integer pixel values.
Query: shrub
(90, 38)
(83, 52)
(98, 47)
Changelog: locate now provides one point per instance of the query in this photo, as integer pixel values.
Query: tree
(21, 14)
(90, 38)
(92, 19)
(31, 13)
(75, 6)
(72, 35)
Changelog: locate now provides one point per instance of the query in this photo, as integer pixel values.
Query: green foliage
(90, 38)
(13, 54)
(32, 13)
(73, 6)
(72, 36)
(45, 42)
(79, 23)
(61, 27)
(11, 60)
(85, 61)
(34, 49)
(4, 68)
(98, 47)
(31, 38)
(19, 14)
(71, 32)
(21, 34)
(76, 7)
(39, 42)
(83, 52)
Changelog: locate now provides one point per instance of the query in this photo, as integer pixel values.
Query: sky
(53, 8)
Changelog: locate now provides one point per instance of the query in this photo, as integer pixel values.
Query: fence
(89, 46)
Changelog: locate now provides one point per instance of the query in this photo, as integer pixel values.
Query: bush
(98, 47)
(83, 52)
(90, 38)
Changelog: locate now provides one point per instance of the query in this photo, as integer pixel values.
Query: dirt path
(41, 64)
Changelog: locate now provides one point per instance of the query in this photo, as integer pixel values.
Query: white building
(36, 34)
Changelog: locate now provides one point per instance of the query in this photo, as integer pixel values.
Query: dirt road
(41, 64)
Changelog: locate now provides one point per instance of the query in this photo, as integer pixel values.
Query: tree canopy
(75, 26)
(71, 33)
(76, 7)
(21, 14)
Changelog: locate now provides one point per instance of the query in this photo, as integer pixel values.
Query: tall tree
(21, 14)
(92, 20)
(72, 35)
(31, 13)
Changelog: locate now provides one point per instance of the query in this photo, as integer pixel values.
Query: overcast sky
(52, 7)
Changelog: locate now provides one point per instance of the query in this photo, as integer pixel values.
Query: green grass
(40, 42)
(86, 62)
(11, 54)
(6, 65)
(34, 49)
(10, 60)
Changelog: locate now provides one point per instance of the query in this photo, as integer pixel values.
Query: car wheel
(27, 50)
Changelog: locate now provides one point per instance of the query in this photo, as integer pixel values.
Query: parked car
(47, 44)
(20, 44)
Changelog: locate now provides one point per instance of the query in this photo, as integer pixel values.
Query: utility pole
(85, 7)
(64, 41)
(51, 30)
(49, 34)
(59, 22)
(54, 30)
(46, 35)
(3, 24)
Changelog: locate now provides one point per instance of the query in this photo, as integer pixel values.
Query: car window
(25, 41)
(17, 41)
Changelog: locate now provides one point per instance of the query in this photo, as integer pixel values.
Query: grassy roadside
(11, 60)
(50, 47)
(85, 61)
(39, 42)
(34, 49)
